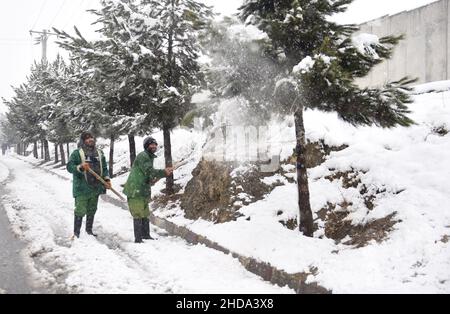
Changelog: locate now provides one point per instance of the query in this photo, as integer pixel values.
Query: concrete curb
(262, 269)
(297, 281)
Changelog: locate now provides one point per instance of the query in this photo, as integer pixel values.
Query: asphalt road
(14, 279)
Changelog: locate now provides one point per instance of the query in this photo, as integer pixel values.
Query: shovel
(104, 183)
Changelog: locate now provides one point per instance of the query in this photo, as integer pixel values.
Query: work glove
(85, 166)
(108, 185)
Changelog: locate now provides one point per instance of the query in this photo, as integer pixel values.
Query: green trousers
(86, 205)
(139, 207)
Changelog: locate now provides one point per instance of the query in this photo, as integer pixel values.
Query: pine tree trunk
(132, 144)
(111, 156)
(68, 152)
(63, 156)
(166, 128)
(306, 220)
(35, 150)
(42, 149)
(56, 154)
(46, 150)
(168, 157)
(170, 59)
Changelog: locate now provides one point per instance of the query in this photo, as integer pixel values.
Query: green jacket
(80, 185)
(142, 173)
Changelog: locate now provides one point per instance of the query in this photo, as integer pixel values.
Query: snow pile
(3, 172)
(308, 63)
(365, 43)
(439, 86)
(304, 66)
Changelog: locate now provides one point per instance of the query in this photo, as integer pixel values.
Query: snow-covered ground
(3, 173)
(40, 208)
(408, 167)
(439, 86)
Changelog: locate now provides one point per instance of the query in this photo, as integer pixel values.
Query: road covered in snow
(14, 278)
(39, 206)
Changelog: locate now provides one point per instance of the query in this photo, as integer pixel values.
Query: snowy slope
(410, 170)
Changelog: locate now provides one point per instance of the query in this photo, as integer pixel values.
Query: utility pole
(43, 39)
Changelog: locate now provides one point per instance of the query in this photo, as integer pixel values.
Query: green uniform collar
(151, 154)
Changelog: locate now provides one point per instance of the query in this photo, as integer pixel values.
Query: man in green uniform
(137, 188)
(86, 188)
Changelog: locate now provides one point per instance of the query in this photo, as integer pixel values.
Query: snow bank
(3, 172)
(439, 86)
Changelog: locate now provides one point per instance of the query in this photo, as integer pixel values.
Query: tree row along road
(40, 207)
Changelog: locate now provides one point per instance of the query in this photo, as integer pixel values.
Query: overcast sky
(18, 17)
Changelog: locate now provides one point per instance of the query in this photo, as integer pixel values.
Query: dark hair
(85, 135)
(149, 140)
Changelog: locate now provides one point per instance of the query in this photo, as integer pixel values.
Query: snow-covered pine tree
(109, 72)
(58, 129)
(26, 110)
(318, 61)
(178, 74)
(20, 116)
(39, 98)
(3, 134)
(98, 97)
(83, 103)
(8, 133)
(151, 48)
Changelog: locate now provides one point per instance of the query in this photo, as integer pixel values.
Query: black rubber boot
(77, 226)
(146, 229)
(137, 230)
(89, 224)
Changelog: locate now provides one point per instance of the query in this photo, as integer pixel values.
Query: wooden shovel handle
(104, 183)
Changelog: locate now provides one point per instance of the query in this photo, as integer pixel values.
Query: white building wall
(424, 53)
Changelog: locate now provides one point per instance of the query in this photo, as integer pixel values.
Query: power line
(57, 13)
(13, 41)
(40, 12)
(72, 19)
